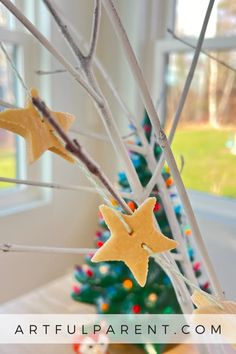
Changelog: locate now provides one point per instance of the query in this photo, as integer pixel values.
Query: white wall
(71, 218)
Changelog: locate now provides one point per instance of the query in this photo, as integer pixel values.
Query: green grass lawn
(209, 165)
(7, 167)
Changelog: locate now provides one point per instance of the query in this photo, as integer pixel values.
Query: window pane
(8, 141)
(6, 18)
(206, 136)
(190, 14)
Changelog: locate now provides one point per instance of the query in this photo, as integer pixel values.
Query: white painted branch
(7, 104)
(98, 64)
(210, 56)
(97, 136)
(43, 40)
(75, 188)
(176, 232)
(8, 247)
(102, 106)
(183, 95)
(191, 72)
(181, 289)
(146, 97)
(172, 219)
(171, 216)
(136, 148)
(90, 134)
(117, 142)
(95, 30)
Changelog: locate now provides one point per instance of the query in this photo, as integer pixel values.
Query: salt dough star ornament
(206, 307)
(122, 246)
(37, 132)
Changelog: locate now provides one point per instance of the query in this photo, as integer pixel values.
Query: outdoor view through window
(206, 137)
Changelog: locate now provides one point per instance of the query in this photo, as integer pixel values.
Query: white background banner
(61, 328)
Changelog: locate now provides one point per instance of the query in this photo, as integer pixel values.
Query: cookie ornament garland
(37, 132)
(128, 247)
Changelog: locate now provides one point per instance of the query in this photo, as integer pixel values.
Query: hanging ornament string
(166, 265)
(15, 70)
(101, 192)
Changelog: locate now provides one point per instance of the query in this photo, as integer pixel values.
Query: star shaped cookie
(207, 307)
(122, 246)
(36, 131)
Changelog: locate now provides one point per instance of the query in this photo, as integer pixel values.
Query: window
(206, 135)
(19, 45)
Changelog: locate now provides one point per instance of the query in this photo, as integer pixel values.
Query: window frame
(164, 45)
(21, 198)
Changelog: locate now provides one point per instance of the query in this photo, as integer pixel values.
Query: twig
(182, 164)
(59, 186)
(64, 30)
(172, 219)
(14, 68)
(191, 72)
(95, 30)
(184, 94)
(168, 265)
(75, 148)
(80, 39)
(103, 109)
(97, 136)
(146, 97)
(136, 148)
(7, 104)
(52, 72)
(221, 62)
(90, 134)
(43, 40)
(175, 229)
(9, 247)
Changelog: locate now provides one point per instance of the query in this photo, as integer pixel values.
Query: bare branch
(9, 247)
(7, 104)
(75, 188)
(210, 56)
(104, 112)
(80, 39)
(183, 96)
(52, 72)
(65, 31)
(43, 40)
(75, 148)
(90, 135)
(95, 30)
(182, 164)
(146, 97)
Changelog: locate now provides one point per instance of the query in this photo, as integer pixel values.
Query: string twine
(15, 70)
(100, 190)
